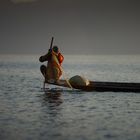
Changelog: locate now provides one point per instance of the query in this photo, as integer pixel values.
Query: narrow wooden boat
(103, 86)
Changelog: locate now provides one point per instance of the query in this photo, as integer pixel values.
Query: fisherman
(53, 71)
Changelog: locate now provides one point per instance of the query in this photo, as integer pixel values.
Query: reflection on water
(53, 98)
(26, 113)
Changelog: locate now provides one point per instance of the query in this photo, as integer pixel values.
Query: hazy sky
(78, 26)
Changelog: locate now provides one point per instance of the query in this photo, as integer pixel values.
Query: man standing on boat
(53, 71)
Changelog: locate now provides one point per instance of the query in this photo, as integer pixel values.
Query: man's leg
(43, 69)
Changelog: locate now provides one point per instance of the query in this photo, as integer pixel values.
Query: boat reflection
(53, 98)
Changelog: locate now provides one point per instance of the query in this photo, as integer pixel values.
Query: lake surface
(27, 113)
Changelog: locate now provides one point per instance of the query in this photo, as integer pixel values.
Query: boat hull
(103, 86)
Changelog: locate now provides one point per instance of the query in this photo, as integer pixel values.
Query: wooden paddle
(51, 43)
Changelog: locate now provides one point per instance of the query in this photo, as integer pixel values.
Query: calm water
(27, 113)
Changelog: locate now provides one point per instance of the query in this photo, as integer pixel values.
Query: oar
(65, 77)
(51, 43)
(50, 49)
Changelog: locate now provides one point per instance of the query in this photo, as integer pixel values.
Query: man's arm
(46, 57)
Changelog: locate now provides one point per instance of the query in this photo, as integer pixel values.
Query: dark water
(28, 113)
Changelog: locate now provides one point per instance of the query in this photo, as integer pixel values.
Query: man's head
(55, 49)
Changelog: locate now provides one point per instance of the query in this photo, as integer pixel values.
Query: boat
(102, 86)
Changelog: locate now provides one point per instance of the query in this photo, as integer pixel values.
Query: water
(27, 113)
